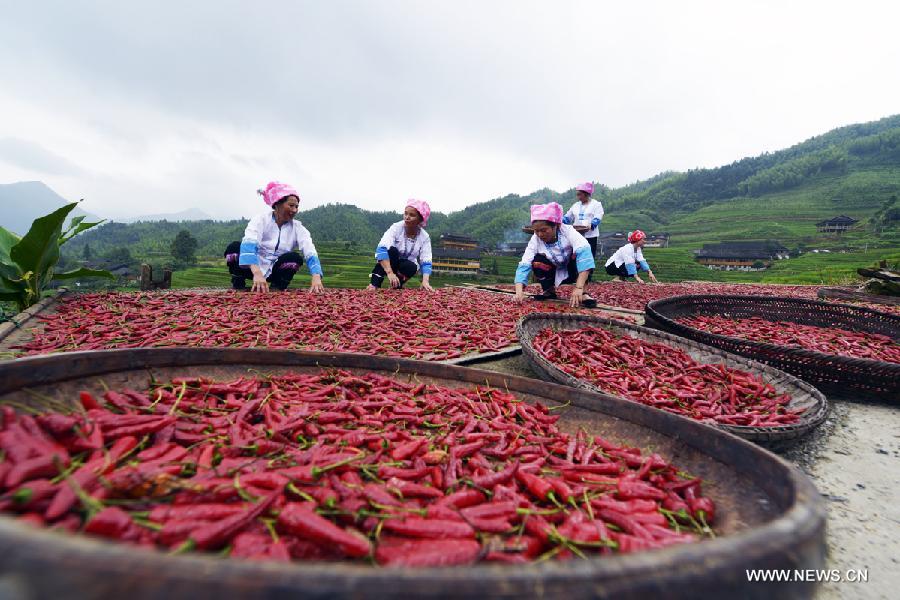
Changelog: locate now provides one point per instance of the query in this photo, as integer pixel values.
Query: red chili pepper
(539, 488)
(86, 476)
(427, 553)
(112, 522)
(429, 528)
(489, 480)
(463, 498)
(208, 537)
(303, 522)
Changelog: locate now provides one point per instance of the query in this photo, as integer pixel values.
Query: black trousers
(545, 272)
(612, 269)
(282, 271)
(593, 242)
(405, 269)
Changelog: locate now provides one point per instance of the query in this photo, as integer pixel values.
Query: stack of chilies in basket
(330, 465)
(665, 377)
(828, 340)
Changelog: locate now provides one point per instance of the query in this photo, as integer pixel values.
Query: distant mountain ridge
(21, 203)
(190, 214)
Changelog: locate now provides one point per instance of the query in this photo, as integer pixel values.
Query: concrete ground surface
(854, 461)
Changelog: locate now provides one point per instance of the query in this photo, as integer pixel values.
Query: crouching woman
(404, 248)
(628, 259)
(268, 253)
(558, 255)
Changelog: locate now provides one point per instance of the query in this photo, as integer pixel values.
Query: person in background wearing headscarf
(586, 212)
(558, 255)
(404, 249)
(628, 259)
(267, 254)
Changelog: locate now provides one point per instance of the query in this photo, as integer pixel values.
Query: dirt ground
(854, 461)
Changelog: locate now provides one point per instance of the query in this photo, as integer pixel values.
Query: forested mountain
(853, 170)
(840, 151)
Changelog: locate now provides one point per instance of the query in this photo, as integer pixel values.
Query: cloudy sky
(149, 107)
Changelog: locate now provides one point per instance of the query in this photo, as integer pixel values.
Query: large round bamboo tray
(802, 394)
(769, 513)
(828, 372)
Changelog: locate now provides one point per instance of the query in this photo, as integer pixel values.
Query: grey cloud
(589, 89)
(34, 157)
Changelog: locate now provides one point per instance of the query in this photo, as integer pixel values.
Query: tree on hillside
(86, 253)
(184, 247)
(119, 255)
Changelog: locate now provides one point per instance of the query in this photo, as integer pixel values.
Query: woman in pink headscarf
(586, 212)
(558, 255)
(629, 259)
(267, 254)
(404, 249)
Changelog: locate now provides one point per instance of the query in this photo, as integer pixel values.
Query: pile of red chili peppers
(665, 377)
(331, 465)
(635, 296)
(442, 325)
(830, 340)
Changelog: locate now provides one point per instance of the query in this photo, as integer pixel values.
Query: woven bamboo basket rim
(802, 393)
(844, 294)
(654, 308)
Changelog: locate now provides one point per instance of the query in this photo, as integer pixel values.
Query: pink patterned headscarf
(422, 207)
(275, 191)
(547, 212)
(587, 188)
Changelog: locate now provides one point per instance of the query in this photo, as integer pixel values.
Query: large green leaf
(76, 226)
(38, 250)
(10, 285)
(7, 240)
(84, 272)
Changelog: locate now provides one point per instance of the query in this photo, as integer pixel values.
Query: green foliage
(27, 264)
(794, 172)
(86, 252)
(119, 255)
(184, 247)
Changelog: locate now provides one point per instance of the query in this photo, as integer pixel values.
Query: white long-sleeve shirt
(568, 243)
(583, 214)
(264, 241)
(631, 258)
(417, 249)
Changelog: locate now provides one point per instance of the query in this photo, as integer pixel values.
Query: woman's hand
(259, 283)
(395, 281)
(575, 298)
(427, 286)
(316, 286)
(652, 276)
(520, 293)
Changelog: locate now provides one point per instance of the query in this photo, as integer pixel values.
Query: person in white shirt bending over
(404, 248)
(629, 259)
(587, 213)
(267, 253)
(558, 254)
